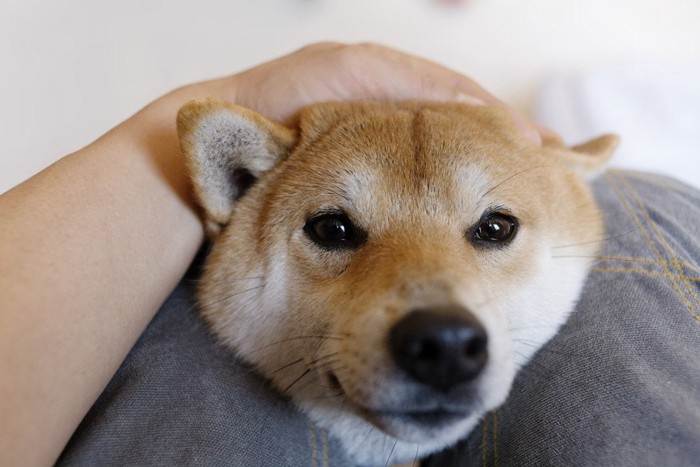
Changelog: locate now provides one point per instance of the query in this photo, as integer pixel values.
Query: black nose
(440, 347)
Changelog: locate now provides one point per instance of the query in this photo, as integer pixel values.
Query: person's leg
(180, 398)
(620, 384)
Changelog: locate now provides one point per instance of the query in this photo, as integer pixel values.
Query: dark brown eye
(333, 231)
(496, 228)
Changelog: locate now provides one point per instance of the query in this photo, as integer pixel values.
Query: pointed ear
(226, 149)
(588, 159)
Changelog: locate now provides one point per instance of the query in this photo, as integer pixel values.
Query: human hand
(330, 71)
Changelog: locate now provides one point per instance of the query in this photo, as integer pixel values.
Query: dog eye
(333, 231)
(496, 228)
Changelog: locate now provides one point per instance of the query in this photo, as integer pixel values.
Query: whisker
(544, 349)
(320, 360)
(512, 177)
(632, 260)
(324, 386)
(534, 372)
(328, 363)
(340, 369)
(391, 453)
(269, 411)
(296, 380)
(228, 297)
(331, 396)
(534, 326)
(369, 432)
(310, 336)
(287, 366)
(583, 256)
(296, 362)
(235, 279)
(605, 239)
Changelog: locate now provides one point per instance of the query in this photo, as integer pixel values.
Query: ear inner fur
(223, 145)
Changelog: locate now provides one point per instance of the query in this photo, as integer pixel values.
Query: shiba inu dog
(389, 267)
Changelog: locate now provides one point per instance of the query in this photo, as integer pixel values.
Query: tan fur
(417, 177)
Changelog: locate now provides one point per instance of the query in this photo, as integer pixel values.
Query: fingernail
(469, 99)
(529, 131)
(547, 133)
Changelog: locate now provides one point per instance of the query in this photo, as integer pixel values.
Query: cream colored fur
(416, 177)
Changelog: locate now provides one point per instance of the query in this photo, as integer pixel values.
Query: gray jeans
(619, 385)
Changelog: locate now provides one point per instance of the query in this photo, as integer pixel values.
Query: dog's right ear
(588, 159)
(226, 149)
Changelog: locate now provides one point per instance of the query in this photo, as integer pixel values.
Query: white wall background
(71, 69)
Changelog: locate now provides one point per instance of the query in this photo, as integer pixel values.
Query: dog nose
(440, 347)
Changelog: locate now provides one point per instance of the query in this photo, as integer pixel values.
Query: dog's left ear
(588, 159)
(226, 149)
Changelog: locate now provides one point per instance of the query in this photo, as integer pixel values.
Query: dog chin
(369, 437)
(425, 427)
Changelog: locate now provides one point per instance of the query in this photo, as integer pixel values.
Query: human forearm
(89, 249)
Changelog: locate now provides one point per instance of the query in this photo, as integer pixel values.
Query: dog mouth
(429, 419)
(433, 419)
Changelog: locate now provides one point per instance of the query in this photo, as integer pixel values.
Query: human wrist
(149, 137)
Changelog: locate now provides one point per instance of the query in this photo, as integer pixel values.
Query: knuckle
(368, 48)
(355, 53)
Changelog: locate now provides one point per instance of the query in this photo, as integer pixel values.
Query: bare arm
(92, 246)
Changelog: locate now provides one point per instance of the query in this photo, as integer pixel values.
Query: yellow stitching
(648, 241)
(696, 315)
(484, 440)
(312, 431)
(495, 439)
(647, 273)
(662, 240)
(692, 267)
(324, 441)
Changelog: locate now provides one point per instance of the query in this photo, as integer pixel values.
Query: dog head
(389, 265)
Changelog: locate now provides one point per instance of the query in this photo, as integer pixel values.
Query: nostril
(439, 347)
(476, 346)
(423, 349)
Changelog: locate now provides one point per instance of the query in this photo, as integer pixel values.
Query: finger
(438, 82)
(449, 79)
(547, 132)
(526, 127)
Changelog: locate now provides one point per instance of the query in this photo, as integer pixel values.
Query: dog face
(389, 266)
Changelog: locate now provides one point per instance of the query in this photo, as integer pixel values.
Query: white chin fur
(370, 446)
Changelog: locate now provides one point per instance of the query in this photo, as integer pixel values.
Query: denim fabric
(619, 385)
